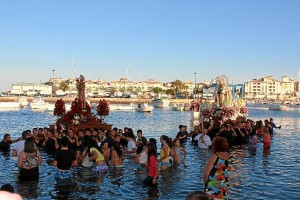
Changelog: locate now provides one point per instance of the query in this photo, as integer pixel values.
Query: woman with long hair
(117, 156)
(97, 156)
(153, 170)
(29, 161)
(217, 171)
(177, 149)
(165, 152)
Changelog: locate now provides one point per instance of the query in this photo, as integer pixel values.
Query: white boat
(60, 93)
(122, 107)
(278, 107)
(23, 101)
(181, 107)
(161, 103)
(50, 107)
(38, 103)
(144, 108)
(9, 105)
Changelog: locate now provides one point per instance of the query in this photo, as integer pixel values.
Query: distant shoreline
(96, 100)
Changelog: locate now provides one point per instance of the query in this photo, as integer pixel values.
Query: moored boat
(161, 103)
(9, 104)
(181, 107)
(51, 107)
(144, 108)
(122, 107)
(278, 107)
(23, 101)
(38, 103)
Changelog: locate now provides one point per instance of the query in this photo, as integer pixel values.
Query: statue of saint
(80, 85)
(223, 92)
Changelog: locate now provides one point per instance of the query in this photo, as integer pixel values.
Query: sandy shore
(96, 100)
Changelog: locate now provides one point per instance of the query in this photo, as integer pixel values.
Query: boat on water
(144, 108)
(181, 107)
(38, 103)
(23, 101)
(8, 105)
(278, 107)
(161, 103)
(50, 107)
(122, 107)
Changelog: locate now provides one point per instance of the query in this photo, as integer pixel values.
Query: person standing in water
(177, 149)
(64, 159)
(153, 170)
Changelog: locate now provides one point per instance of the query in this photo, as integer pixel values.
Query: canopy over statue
(223, 95)
(80, 85)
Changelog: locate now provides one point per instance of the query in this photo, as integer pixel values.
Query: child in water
(177, 149)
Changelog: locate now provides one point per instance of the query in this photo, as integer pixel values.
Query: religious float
(80, 116)
(224, 108)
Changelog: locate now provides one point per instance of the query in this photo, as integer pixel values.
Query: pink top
(152, 166)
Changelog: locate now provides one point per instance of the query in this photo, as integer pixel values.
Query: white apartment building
(269, 88)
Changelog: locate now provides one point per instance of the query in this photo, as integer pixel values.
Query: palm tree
(157, 90)
(177, 86)
(63, 86)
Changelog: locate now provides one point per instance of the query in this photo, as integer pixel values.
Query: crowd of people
(104, 149)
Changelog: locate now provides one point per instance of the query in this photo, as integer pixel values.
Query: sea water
(257, 174)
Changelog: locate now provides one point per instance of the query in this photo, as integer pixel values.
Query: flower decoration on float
(243, 110)
(60, 108)
(69, 117)
(229, 111)
(103, 108)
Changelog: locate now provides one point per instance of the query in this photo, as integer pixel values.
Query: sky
(162, 40)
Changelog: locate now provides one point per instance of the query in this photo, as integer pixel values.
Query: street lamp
(195, 85)
(53, 70)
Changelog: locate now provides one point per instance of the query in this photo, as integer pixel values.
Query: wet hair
(64, 141)
(29, 146)
(180, 126)
(153, 141)
(265, 129)
(197, 195)
(139, 131)
(7, 188)
(115, 129)
(220, 144)
(85, 141)
(24, 134)
(174, 141)
(5, 136)
(93, 143)
(118, 150)
(139, 149)
(151, 151)
(168, 140)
